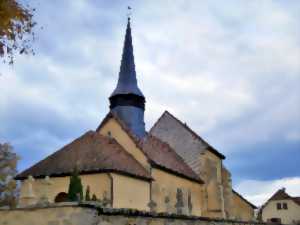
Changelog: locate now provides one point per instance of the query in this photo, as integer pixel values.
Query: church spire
(127, 83)
(127, 101)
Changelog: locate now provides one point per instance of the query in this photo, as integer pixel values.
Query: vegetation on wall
(94, 198)
(87, 194)
(75, 192)
(8, 186)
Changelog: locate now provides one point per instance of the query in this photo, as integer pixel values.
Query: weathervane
(129, 12)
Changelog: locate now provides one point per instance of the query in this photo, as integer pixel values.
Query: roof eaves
(146, 178)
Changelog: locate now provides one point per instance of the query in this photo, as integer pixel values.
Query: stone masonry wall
(89, 214)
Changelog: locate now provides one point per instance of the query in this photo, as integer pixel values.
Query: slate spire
(127, 101)
(127, 83)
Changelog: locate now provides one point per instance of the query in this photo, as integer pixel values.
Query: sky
(230, 70)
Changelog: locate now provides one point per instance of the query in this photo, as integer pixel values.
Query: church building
(169, 168)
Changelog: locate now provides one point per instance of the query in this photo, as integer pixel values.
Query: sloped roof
(282, 195)
(249, 203)
(194, 134)
(90, 153)
(279, 195)
(158, 153)
(163, 156)
(297, 200)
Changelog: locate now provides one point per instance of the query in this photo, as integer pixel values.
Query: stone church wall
(130, 192)
(172, 194)
(241, 208)
(74, 214)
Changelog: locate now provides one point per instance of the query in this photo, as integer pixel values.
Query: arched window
(61, 197)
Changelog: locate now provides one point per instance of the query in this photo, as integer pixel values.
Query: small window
(284, 205)
(278, 206)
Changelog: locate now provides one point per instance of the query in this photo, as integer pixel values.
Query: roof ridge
(157, 121)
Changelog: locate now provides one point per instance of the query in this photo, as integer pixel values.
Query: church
(168, 169)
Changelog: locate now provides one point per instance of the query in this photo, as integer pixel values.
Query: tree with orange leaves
(16, 30)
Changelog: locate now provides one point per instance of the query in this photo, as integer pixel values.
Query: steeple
(127, 83)
(127, 101)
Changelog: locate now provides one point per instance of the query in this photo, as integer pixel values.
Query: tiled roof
(90, 153)
(159, 153)
(280, 195)
(163, 156)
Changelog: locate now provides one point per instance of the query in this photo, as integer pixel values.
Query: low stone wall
(91, 214)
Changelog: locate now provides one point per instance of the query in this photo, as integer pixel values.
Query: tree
(16, 29)
(8, 186)
(94, 198)
(75, 192)
(87, 194)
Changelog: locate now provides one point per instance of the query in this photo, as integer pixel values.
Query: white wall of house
(287, 216)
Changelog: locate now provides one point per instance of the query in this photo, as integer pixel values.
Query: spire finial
(127, 83)
(129, 12)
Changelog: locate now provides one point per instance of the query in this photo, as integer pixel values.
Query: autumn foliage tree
(8, 186)
(16, 29)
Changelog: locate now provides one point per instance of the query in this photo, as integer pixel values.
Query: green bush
(75, 192)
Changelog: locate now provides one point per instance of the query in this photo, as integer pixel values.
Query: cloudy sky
(230, 71)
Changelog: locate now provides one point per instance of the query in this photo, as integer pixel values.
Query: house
(281, 208)
(168, 169)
